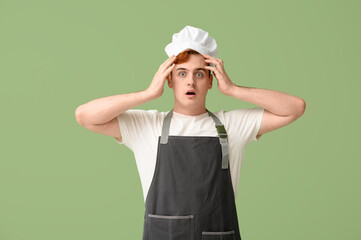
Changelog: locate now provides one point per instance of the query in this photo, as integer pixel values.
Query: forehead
(195, 62)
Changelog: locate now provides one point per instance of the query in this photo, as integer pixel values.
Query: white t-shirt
(140, 130)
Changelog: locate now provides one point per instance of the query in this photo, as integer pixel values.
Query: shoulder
(139, 118)
(241, 114)
(140, 114)
(244, 112)
(244, 122)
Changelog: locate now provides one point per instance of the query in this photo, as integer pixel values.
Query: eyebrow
(195, 69)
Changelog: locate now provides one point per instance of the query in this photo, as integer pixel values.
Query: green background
(59, 180)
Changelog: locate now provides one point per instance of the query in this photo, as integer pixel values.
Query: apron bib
(191, 195)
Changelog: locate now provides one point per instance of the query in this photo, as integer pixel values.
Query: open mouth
(190, 93)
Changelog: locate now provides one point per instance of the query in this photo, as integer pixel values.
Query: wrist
(230, 90)
(149, 94)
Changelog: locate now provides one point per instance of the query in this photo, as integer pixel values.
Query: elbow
(301, 108)
(79, 116)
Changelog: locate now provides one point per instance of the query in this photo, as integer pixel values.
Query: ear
(169, 79)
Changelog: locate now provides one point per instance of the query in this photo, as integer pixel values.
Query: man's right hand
(156, 88)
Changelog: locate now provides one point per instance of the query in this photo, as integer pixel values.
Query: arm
(100, 115)
(104, 109)
(280, 108)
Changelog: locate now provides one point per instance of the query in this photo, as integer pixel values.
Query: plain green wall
(60, 181)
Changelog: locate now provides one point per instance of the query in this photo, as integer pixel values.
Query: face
(190, 76)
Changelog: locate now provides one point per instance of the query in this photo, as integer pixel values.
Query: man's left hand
(224, 83)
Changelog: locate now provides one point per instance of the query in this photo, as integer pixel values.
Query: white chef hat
(192, 38)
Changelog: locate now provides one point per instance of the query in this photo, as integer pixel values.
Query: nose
(190, 81)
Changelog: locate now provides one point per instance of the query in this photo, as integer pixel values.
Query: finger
(208, 56)
(218, 66)
(169, 69)
(210, 67)
(213, 69)
(169, 65)
(211, 61)
(167, 72)
(212, 58)
(165, 63)
(215, 60)
(170, 60)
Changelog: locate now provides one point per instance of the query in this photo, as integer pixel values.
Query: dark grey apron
(191, 195)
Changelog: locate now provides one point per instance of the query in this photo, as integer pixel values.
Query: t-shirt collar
(189, 116)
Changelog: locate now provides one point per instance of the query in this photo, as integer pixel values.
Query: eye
(201, 74)
(181, 73)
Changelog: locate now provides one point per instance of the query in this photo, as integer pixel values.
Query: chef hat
(192, 38)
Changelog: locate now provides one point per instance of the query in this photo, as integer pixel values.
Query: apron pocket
(229, 235)
(163, 227)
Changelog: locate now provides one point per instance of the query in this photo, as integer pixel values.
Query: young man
(188, 158)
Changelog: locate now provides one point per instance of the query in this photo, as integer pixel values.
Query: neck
(194, 111)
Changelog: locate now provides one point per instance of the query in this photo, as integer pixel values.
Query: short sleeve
(245, 122)
(135, 124)
(257, 115)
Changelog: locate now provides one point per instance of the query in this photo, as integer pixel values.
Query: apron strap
(165, 128)
(222, 135)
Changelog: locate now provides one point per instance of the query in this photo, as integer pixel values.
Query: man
(188, 158)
